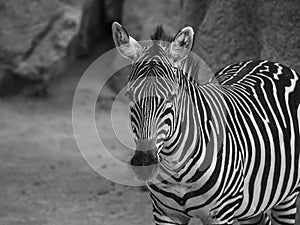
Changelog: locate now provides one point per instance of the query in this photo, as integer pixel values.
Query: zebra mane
(161, 35)
(193, 66)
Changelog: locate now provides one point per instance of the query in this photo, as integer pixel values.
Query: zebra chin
(145, 173)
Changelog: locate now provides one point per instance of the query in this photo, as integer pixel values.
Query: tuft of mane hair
(160, 35)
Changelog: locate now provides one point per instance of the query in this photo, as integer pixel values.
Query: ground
(44, 178)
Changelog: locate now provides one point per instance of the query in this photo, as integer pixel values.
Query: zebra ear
(126, 45)
(181, 45)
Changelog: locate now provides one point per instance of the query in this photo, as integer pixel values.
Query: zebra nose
(145, 164)
(145, 153)
(145, 160)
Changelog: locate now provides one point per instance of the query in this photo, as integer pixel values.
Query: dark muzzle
(145, 161)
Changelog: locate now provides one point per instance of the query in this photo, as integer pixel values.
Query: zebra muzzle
(145, 161)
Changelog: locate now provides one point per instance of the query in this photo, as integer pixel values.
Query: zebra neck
(196, 141)
(194, 67)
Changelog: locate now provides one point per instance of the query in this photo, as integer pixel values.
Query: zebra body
(246, 112)
(224, 150)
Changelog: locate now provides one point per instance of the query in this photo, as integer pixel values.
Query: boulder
(39, 37)
(140, 18)
(193, 12)
(35, 37)
(91, 27)
(228, 33)
(98, 15)
(113, 11)
(279, 31)
(239, 30)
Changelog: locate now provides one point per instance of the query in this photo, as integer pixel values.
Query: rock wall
(35, 35)
(140, 18)
(193, 12)
(228, 33)
(39, 37)
(280, 31)
(237, 30)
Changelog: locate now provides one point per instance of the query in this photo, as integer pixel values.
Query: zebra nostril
(144, 158)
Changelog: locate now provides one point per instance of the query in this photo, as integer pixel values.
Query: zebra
(223, 150)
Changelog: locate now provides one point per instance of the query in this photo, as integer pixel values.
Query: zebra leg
(285, 212)
(261, 219)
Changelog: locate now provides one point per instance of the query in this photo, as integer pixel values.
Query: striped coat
(218, 151)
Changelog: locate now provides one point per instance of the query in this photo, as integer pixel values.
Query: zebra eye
(129, 94)
(133, 130)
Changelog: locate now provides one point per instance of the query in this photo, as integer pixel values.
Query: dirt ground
(44, 179)
(43, 176)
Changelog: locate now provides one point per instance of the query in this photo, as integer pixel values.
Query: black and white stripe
(218, 149)
(228, 150)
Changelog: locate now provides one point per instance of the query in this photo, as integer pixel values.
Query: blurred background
(45, 47)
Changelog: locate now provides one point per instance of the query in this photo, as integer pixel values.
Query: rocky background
(38, 38)
(227, 31)
(45, 47)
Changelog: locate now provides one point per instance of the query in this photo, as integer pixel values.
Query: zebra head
(153, 89)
